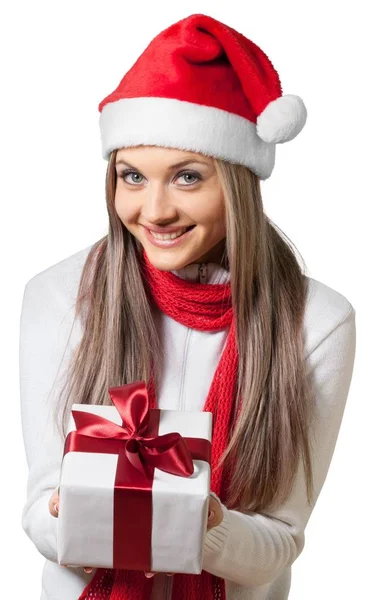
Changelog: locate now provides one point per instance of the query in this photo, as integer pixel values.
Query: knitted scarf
(205, 307)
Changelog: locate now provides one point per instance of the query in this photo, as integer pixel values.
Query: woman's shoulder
(326, 309)
(61, 278)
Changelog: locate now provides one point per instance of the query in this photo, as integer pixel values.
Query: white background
(58, 61)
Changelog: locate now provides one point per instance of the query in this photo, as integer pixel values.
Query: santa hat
(202, 86)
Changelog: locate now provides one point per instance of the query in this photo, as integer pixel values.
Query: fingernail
(56, 507)
(211, 514)
(87, 569)
(149, 575)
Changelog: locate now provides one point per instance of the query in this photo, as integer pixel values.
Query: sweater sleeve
(253, 549)
(45, 347)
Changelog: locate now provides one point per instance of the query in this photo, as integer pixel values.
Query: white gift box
(179, 504)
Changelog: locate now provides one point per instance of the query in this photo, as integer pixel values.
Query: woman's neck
(217, 255)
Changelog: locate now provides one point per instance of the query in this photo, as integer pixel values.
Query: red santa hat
(202, 86)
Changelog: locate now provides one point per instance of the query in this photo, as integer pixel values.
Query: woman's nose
(157, 205)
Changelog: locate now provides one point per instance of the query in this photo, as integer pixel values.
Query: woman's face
(154, 192)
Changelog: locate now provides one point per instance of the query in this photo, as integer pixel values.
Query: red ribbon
(140, 449)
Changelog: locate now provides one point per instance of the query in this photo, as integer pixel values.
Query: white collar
(212, 273)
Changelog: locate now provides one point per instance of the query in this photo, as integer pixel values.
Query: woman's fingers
(54, 503)
(215, 514)
(151, 574)
(86, 569)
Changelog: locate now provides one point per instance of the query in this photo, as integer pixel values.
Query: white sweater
(253, 552)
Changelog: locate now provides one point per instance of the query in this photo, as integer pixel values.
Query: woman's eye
(197, 176)
(124, 174)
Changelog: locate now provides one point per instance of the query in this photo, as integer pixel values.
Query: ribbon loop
(170, 453)
(132, 403)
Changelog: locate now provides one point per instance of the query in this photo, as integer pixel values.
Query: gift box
(134, 485)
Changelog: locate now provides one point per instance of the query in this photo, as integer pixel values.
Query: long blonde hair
(119, 338)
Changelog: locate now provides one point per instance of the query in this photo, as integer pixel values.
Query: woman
(220, 317)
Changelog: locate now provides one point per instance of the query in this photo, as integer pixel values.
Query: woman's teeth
(168, 236)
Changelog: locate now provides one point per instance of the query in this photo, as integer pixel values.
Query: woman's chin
(166, 263)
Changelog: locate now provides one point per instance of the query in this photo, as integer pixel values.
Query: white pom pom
(282, 119)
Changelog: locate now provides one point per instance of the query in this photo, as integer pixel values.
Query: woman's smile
(168, 240)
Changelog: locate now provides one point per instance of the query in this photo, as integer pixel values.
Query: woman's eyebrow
(176, 165)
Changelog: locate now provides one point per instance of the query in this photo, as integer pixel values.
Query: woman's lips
(168, 243)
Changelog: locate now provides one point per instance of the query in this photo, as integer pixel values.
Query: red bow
(168, 452)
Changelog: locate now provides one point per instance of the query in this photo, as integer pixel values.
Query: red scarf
(205, 307)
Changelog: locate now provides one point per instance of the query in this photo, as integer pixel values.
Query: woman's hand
(215, 517)
(215, 514)
(54, 509)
